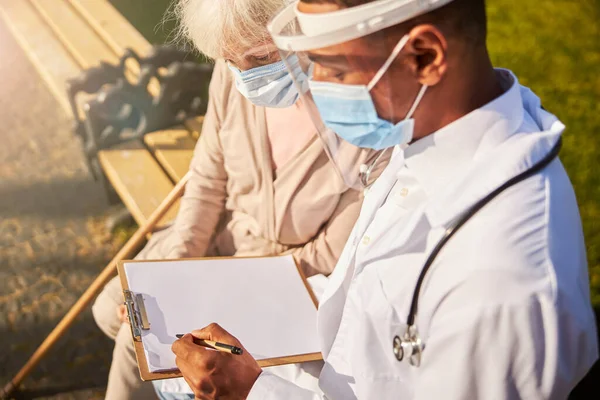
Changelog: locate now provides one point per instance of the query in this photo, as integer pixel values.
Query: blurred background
(57, 227)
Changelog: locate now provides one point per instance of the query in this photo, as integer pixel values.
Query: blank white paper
(261, 301)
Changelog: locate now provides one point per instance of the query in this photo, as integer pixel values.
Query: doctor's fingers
(186, 349)
(205, 383)
(216, 333)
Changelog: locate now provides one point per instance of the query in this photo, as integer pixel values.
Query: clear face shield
(343, 77)
(358, 167)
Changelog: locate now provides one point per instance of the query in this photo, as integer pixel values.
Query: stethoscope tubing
(410, 345)
(459, 222)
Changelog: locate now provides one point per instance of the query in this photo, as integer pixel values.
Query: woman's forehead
(243, 53)
(260, 50)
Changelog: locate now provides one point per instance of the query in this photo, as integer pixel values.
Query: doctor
(465, 275)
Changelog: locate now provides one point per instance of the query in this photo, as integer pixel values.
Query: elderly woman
(261, 182)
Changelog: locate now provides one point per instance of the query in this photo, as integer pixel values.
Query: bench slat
(111, 26)
(75, 34)
(137, 179)
(116, 32)
(173, 148)
(54, 64)
(61, 37)
(194, 125)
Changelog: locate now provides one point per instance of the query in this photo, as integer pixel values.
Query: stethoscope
(409, 345)
(364, 173)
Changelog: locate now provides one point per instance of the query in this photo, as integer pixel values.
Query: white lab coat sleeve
(272, 387)
(527, 349)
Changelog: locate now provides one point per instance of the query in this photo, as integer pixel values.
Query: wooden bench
(64, 37)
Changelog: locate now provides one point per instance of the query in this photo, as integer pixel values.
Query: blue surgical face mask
(349, 111)
(270, 85)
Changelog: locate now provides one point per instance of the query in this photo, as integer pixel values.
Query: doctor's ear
(427, 49)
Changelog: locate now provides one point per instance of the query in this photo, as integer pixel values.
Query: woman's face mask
(269, 85)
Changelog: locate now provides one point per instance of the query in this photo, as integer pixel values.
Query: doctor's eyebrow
(328, 59)
(346, 61)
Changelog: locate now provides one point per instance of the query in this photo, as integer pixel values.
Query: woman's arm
(320, 255)
(205, 193)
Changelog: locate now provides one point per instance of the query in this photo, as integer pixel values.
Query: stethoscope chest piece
(409, 346)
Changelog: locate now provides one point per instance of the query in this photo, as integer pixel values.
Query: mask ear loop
(417, 101)
(386, 65)
(397, 49)
(365, 170)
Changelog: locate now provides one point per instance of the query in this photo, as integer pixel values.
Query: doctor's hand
(214, 374)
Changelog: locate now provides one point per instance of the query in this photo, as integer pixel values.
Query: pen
(215, 345)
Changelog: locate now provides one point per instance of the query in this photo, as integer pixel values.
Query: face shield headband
(314, 31)
(295, 32)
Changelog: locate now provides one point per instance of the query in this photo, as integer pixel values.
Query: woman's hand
(122, 313)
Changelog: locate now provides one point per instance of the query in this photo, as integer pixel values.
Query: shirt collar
(464, 161)
(438, 158)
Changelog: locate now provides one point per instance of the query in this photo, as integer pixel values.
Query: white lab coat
(504, 311)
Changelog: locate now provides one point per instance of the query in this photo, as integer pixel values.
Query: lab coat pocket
(371, 341)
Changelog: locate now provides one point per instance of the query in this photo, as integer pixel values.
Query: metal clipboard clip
(136, 312)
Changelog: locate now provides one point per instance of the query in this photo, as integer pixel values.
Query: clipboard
(139, 321)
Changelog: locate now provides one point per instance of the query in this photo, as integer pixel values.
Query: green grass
(552, 46)
(147, 17)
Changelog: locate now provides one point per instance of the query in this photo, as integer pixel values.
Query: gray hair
(221, 27)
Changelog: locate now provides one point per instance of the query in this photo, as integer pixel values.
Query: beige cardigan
(233, 205)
